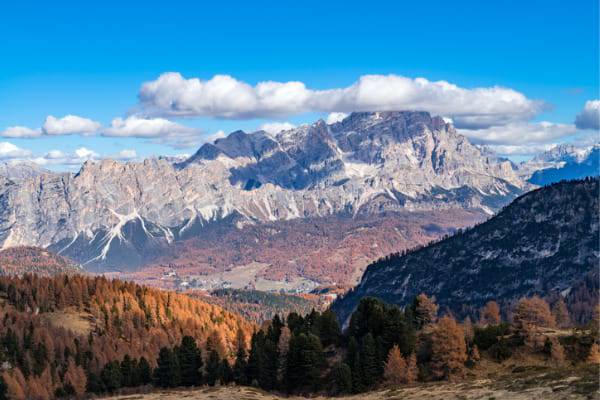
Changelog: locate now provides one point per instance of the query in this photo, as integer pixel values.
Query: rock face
(545, 241)
(120, 215)
(562, 162)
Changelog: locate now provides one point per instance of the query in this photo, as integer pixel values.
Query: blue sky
(90, 60)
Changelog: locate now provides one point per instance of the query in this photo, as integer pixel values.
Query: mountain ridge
(545, 241)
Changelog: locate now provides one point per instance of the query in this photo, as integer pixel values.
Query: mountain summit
(117, 215)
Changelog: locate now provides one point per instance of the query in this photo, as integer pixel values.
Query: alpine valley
(288, 211)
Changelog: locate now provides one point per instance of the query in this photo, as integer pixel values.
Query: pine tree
(166, 373)
(255, 358)
(353, 361)
(395, 368)
(213, 368)
(111, 376)
(340, 379)
(269, 365)
(369, 361)
(144, 372)
(226, 372)
(240, 366)
(328, 328)
(190, 362)
(304, 363)
(128, 371)
(3, 389)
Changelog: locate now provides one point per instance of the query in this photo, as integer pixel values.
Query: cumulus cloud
(58, 157)
(159, 129)
(589, 117)
(334, 117)
(276, 127)
(217, 135)
(125, 155)
(519, 133)
(69, 125)
(226, 97)
(10, 151)
(520, 138)
(21, 132)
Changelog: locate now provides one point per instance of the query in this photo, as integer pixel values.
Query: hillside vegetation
(35, 260)
(60, 336)
(545, 242)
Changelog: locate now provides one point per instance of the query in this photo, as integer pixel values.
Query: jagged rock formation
(120, 215)
(545, 241)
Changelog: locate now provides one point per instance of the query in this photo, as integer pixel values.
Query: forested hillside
(258, 306)
(544, 243)
(35, 260)
(61, 336)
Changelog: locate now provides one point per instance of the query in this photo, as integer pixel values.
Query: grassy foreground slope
(533, 382)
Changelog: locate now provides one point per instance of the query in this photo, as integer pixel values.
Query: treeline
(387, 346)
(65, 335)
(259, 306)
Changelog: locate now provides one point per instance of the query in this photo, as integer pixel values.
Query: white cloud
(21, 132)
(521, 150)
(159, 129)
(10, 151)
(519, 133)
(276, 127)
(69, 125)
(334, 117)
(224, 96)
(589, 117)
(58, 157)
(217, 135)
(125, 155)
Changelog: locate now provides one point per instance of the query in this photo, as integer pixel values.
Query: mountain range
(330, 184)
(544, 242)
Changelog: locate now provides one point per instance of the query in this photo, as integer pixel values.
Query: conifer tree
(304, 363)
(240, 366)
(190, 362)
(111, 376)
(166, 373)
(369, 361)
(226, 372)
(144, 372)
(424, 311)
(340, 379)
(412, 371)
(353, 361)
(213, 368)
(395, 368)
(490, 314)
(448, 349)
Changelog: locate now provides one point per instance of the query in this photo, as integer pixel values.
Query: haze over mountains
(406, 167)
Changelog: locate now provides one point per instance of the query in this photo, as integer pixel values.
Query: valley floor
(525, 384)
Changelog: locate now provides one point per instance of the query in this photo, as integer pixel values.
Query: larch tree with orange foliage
(490, 314)
(594, 354)
(530, 315)
(561, 313)
(394, 371)
(448, 349)
(424, 310)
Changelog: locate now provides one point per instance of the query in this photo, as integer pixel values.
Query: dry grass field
(524, 383)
